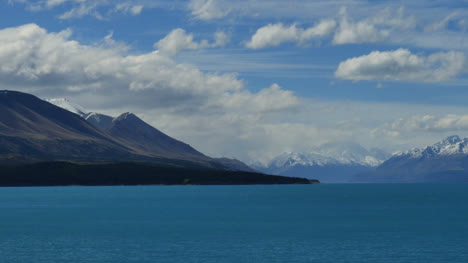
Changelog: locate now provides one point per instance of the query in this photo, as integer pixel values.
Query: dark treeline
(65, 174)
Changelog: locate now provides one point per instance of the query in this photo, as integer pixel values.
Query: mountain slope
(30, 126)
(143, 137)
(67, 105)
(35, 130)
(101, 121)
(445, 161)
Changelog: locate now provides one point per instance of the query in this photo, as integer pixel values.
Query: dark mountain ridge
(42, 144)
(143, 137)
(147, 140)
(32, 127)
(33, 130)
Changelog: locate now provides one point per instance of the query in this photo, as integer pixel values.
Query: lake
(279, 223)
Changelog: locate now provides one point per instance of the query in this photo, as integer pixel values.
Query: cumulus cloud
(165, 93)
(38, 59)
(267, 100)
(358, 32)
(372, 29)
(178, 40)
(275, 34)
(402, 65)
(216, 113)
(208, 9)
(344, 30)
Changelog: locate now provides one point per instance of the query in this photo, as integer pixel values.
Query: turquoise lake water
(295, 223)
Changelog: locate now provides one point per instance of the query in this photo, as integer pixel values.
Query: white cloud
(442, 24)
(207, 9)
(275, 34)
(128, 8)
(103, 76)
(322, 29)
(53, 3)
(272, 35)
(267, 100)
(425, 123)
(358, 32)
(221, 39)
(373, 29)
(402, 65)
(216, 113)
(99, 9)
(344, 30)
(178, 40)
(83, 9)
(254, 136)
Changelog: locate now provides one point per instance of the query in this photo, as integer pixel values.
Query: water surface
(295, 223)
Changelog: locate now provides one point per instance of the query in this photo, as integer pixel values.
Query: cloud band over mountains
(248, 78)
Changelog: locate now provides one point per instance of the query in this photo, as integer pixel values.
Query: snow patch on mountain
(69, 106)
(101, 121)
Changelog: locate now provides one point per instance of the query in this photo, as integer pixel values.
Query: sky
(250, 79)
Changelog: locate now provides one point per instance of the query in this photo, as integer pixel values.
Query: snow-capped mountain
(67, 105)
(332, 154)
(451, 145)
(444, 161)
(336, 162)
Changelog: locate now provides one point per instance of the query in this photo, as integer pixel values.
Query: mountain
(67, 105)
(33, 129)
(101, 121)
(144, 138)
(337, 162)
(43, 144)
(37, 129)
(147, 140)
(445, 161)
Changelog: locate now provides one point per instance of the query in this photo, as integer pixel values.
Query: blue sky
(250, 79)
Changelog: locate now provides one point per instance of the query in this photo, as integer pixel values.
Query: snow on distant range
(451, 145)
(67, 105)
(331, 154)
(344, 153)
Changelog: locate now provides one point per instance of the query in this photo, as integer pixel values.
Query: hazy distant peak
(449, 140)
(126, 116)
(331, 154)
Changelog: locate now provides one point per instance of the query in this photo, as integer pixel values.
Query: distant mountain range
(445, 161)
(331, 163)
